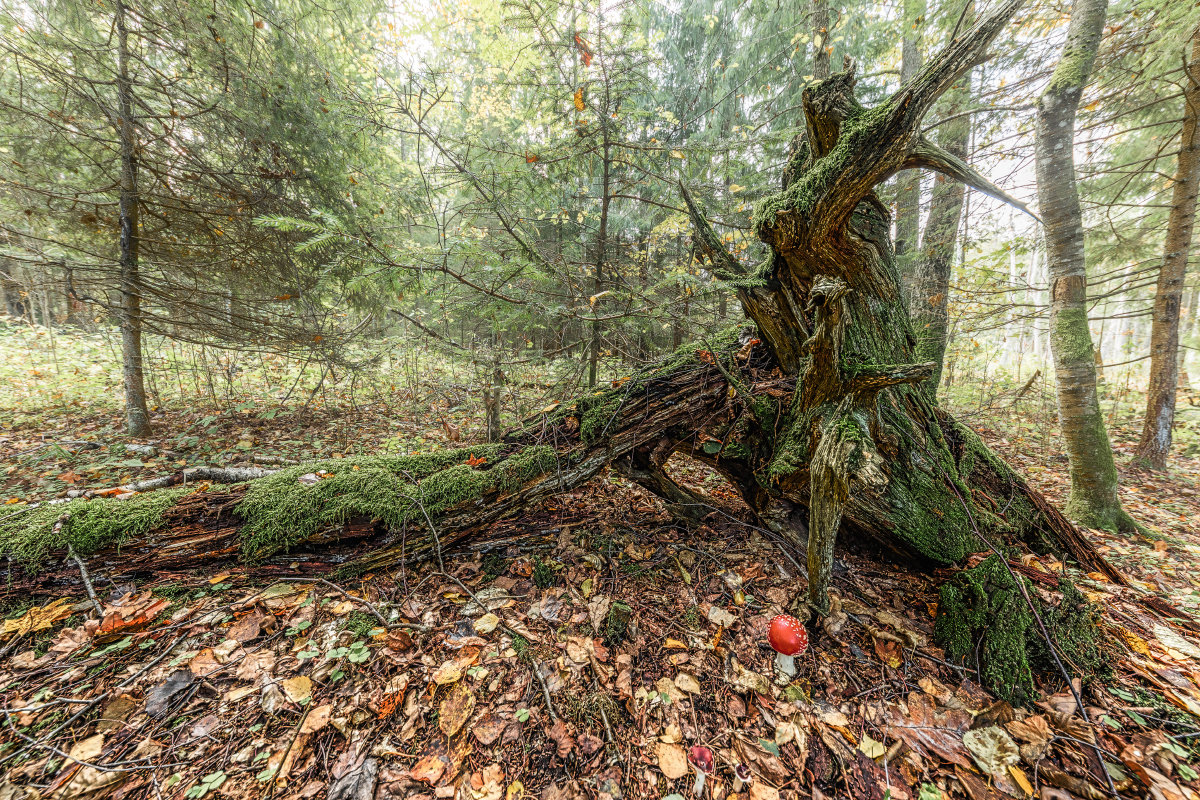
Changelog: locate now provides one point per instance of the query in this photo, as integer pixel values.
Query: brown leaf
(430, 768)
(926, 729)
(317, 719)
(561, 736)
(248, 628)
(488, 730)
(889, 653)
(130, 615)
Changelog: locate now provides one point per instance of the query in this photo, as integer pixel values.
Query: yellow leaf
(38, 618)
(1019, 776)
(1134, 642)
(579, 104)
(298, 689)
(871, 748)
(455, 709)
(676, 154)
(735, 188)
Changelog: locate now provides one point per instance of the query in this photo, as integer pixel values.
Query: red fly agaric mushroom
(703, 763)
(788, 639)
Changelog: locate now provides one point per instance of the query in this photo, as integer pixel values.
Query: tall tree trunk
(819, 12)
(908, 183)
(928, 283)
(1094, 500)
(601, 255)
(137, 415)
(1155, 445)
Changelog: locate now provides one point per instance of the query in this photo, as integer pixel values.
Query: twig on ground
(374, 611)
(87, 579)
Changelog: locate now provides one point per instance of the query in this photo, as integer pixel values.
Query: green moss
(544, 574)
(596, 413)
(1070, 336)
(616, 624)
(736, 450)
(280, 511)
(89, 525)
(1074, 625)
(982, 612)
(360, 624)
(492, 566)
(807, 189)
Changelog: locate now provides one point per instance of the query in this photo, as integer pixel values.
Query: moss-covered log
(374, 511)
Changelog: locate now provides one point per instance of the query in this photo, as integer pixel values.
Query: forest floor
(582, 661)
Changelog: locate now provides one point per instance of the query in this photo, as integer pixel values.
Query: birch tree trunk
(1155, 445)
(1094, 500)
(137, 415)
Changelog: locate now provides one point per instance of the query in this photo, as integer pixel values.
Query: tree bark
(137, 415)
(728, 396)
(908, 182)
(1094, 500)
(819, 13)
(929, 283)
(1155, 445)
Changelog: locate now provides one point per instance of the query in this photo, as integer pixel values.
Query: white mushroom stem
(698, 788)
(786, 664)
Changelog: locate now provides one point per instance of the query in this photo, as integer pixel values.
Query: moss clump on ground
(1074, 625)
(360, 624)
(982, 612)
(616, 624)
(280, 511)
(29, 537)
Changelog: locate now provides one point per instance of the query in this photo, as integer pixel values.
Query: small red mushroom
(703, 763)
(788, 639)
(742, 777)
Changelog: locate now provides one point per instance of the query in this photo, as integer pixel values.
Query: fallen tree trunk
(364, 513)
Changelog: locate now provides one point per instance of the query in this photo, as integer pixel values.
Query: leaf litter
(582, 662)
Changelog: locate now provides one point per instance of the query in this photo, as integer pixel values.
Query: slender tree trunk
(819, 12)
(928, 281)
(1094, 500)
(601, 255)
(137, 416)
(1155, 445)
(908, 183)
